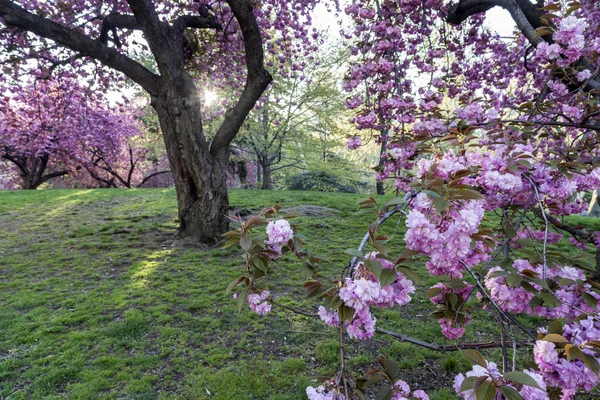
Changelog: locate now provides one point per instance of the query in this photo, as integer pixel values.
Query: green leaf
(394, 202)
(486, 391)
(555, 338)
(246, 243)
(231, 242)
(456, 284)
(497, 274)
(510, 393)
(307, 271)
(376, 267)
(566, 282)
(235, 282)
(591, 363)
(474, 356)
(408, 272)
(590, 300)
(346, 313)
(467, 384)
(549, 300)
(392, 369)
(384, 393)
(261, 264)
(354, 252)
(555, 327)
(573, 352)
(521, 378)
(241, 299)
(434, 291)
(387, 276)
(514, 280)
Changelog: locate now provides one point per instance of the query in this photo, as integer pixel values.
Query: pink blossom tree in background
(220, 41)
(478, 125)
(54, 128)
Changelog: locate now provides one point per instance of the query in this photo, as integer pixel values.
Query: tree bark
(266, 181)
(199, 176)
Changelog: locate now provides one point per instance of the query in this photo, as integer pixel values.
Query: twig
(450, 347)
(294, 310)
(541, 205)
(496, 306)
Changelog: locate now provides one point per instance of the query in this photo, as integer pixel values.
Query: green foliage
(324, 181)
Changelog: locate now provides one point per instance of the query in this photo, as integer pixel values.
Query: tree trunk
(266, 182)
(200, 177)
(384, 139)
(594, 208)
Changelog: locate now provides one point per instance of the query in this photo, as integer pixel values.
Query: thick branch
(257, 80)
(156, 34)
(146, 179)
(450, 347)
(16, 16)
(526, 17)
(52, 175)
(192, 21)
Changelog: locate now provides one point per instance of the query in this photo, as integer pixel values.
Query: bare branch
(444, 348)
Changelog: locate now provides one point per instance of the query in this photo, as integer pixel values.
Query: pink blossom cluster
(363, 291)
(329, 390)
(279, 232)
(401, 391)
(323, 393)
(572, 375)
(258, 302)
(571, 286)
(354, 142)
(492, 373)
(452, 328)
(446, 240)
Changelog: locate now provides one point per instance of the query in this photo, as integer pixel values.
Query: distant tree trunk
(31, 170)
(384, 139)
(266, 183)
(594, 208)
(258, 172)
(200, 177)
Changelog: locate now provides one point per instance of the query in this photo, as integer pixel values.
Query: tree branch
(146, 179)
(196, 22)
(16, 16)
(443, 348)
(257, 79)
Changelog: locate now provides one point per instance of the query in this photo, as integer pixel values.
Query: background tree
(49, 128)
(55, 35)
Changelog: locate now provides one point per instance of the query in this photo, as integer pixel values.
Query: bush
(323, 181)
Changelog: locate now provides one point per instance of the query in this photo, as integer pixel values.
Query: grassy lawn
(98, 301)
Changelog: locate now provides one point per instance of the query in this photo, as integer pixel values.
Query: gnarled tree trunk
(200, 177)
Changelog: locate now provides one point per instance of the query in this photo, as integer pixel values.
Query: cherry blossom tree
(478, 125)
(220, 40)
(50, 128)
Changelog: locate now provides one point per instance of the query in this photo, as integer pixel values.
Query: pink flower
(279, 232)
(354, 142)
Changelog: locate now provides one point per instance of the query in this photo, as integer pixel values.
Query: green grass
(95, 302)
